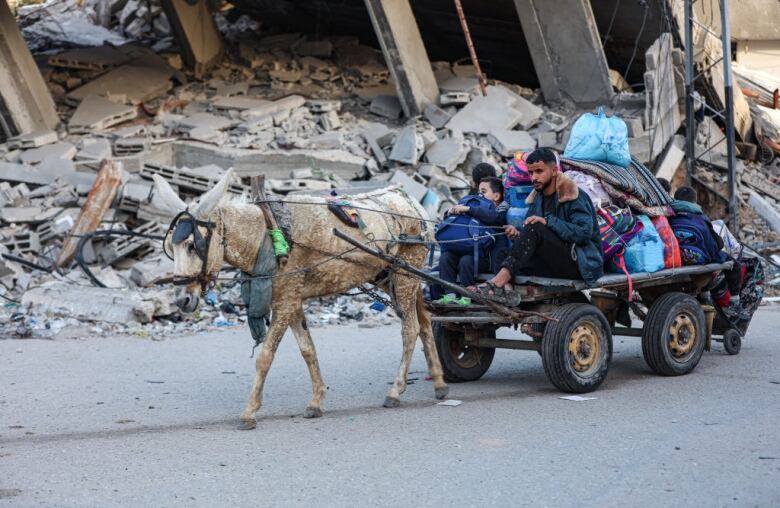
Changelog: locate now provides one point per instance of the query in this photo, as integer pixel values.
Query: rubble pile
(313, 115)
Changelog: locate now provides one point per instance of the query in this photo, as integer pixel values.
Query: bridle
(183, 226)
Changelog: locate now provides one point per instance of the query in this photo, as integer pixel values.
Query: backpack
(517, 172)
(617, 226)
(696, 238)
(463, 234)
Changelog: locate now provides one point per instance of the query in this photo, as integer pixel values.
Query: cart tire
(732, 341)
(576, 348)
(461, 363)
(674, 334)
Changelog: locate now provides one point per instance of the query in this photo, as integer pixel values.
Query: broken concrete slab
(238, 103)
(675, 153)
(387, 106)
(530, 111)
(454, 99)
(205, 120)
(108, 305)
(547, 139)
(436, 116)
(327, 141)
(273, 163)
(94, 149)
(765, 210)
(148, 272)
(446, 153)
(63, 150)
(33, 139)
(139, 81)
(413, 185)
(507, 142)
(467, 86)
(330, 121)
(95, 58)
(280, 106)
(27, 214)
(488, 113)
(408, 146)
(96, 113)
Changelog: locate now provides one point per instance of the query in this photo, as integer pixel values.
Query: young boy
(460, 269)
(685, 203)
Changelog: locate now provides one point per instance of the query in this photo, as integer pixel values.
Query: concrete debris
(507, 142)
(387, 106)
(98, 113)
(314, 115)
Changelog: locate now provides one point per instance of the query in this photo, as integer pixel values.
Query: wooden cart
(573, 328)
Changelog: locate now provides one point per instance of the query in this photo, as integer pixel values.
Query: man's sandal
(490, 291)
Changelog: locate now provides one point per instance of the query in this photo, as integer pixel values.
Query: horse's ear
(211, 199)
(168, 195)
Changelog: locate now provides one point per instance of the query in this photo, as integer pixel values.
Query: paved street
(125, 421)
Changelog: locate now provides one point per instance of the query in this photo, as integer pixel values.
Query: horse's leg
(281, 317)
(306, 345)
(406, 299)
(440, 388)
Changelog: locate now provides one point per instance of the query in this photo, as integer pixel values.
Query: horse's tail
(423, 316)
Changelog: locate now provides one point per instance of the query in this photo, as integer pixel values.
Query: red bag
(672, 257)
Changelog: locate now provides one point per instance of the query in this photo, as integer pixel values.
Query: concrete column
(402, 45)
(566, 50)
(26, 105)
(196, 32)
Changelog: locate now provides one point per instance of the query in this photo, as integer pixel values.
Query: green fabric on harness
(280, 244)
(257, 293)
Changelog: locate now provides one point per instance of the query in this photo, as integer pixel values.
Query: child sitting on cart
(457, 268)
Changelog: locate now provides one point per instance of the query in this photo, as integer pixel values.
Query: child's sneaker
(447, 299)
(463, 300)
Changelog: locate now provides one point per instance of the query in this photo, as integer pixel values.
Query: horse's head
(194, 240)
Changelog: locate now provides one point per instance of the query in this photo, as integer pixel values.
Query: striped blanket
(634, 186)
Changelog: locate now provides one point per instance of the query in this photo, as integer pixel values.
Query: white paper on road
(577, 398)
(450, 402)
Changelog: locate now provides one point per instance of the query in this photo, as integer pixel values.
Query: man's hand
(535, 219)
(458, 210)
(511, 232)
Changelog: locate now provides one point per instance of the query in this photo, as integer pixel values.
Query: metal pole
(690, 121)
(470, 44)
(730, 137)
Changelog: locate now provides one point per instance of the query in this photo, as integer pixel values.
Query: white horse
(232, 233)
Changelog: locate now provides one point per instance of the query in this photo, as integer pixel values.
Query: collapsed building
(96, 97)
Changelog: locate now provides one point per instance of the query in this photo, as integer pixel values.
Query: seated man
(560, 237)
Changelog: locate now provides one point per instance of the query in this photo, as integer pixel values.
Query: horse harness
(183, 226)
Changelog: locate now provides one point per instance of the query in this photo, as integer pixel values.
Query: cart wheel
(460, 362)
(732, 341)
(576, 348)
(674, 334)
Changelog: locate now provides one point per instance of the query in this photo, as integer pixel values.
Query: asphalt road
(124, 421)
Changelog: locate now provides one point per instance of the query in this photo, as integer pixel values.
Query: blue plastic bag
(599, 138)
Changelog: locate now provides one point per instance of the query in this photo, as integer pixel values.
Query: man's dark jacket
(574, 221)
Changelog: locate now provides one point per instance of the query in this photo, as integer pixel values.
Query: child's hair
(496, 185)
(481, 171)
(665, 184)
(686, 193)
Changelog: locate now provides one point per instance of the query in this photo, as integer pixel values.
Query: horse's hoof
(247, 424)
(312, 412)
(441, 392)
(391, 402)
